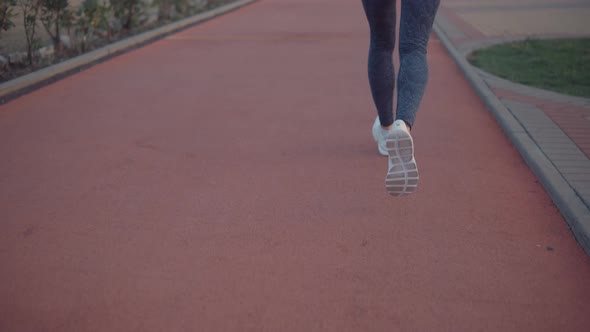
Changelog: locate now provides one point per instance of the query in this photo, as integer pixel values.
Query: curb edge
(564, 197)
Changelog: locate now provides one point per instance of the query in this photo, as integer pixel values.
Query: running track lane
(225, 179)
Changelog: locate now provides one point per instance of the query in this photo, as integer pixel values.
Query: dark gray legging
(417, 17)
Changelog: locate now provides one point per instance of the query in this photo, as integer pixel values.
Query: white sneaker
(402, 174)
(378, 135)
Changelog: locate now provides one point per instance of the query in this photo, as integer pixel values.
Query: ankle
(408, 127)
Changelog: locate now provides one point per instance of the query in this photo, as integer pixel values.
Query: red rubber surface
(225, 179)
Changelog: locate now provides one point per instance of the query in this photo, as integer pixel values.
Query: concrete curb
(26, 83)
(565, 198)
(498, 82)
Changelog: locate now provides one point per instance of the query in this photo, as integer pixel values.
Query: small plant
(215, 3)
(93, 16)
(166, 8)
(183, 7)
(55, 14)
(128, 12)
(30, 10)
(6, 14)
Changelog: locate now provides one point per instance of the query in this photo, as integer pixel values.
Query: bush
(92, 18)
(169, 9)
(6, 14)
(128, 12)
(30, 10)
(55, 14)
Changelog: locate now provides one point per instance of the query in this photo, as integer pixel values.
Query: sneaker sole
(402, 176)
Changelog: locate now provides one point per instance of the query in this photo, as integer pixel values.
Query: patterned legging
(417, 18)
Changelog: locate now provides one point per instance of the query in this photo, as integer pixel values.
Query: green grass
(558, 65)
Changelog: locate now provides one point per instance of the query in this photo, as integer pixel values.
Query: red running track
(225, 179)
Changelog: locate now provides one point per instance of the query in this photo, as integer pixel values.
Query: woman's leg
(417, 17)
(381, 17)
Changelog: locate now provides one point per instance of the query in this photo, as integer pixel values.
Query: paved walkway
(559, 124)
(479, 19)
(225, 179)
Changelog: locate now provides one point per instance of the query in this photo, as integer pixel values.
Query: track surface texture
(225, 179)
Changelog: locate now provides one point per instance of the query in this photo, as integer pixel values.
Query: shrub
(30, 10)
(92, 17)
(178, 7)
(6, 14)
(127, 12)
(55, 14)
